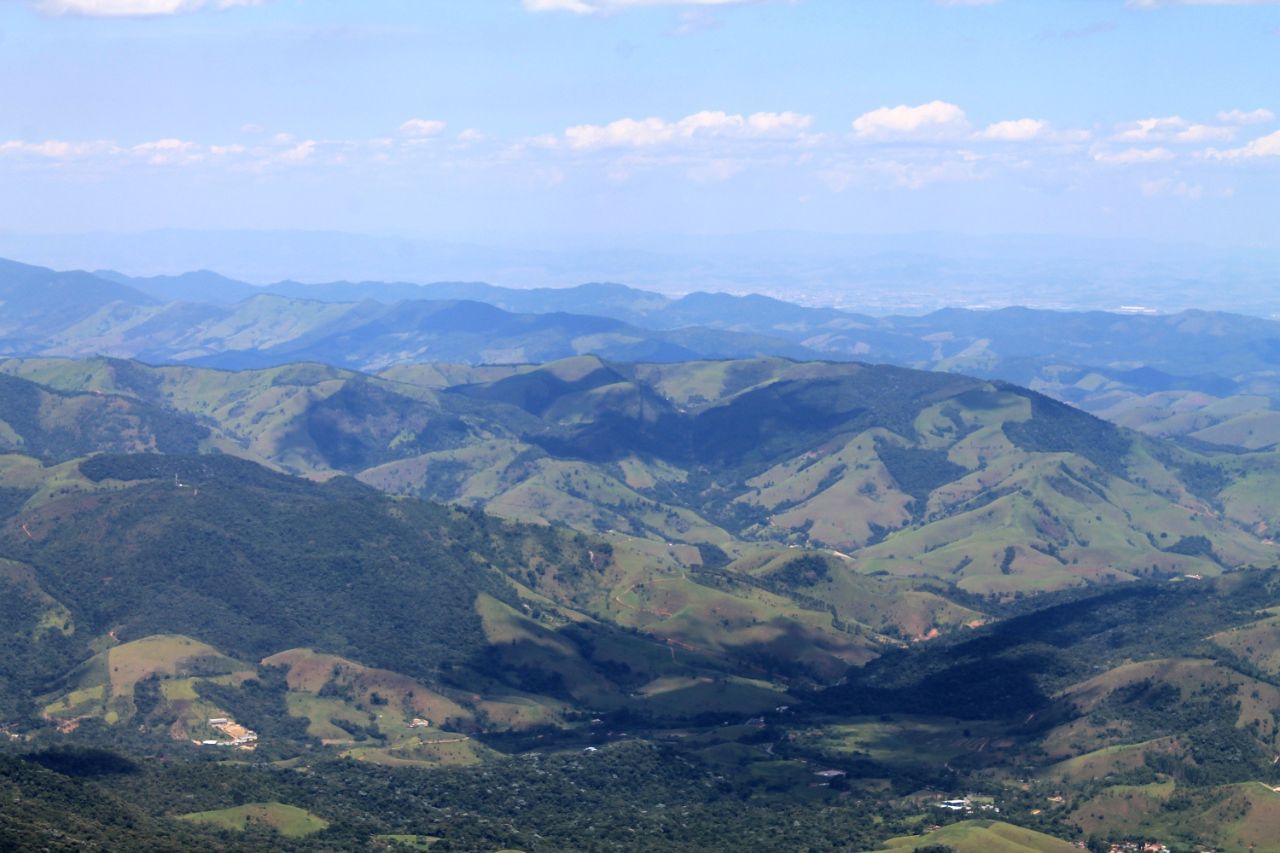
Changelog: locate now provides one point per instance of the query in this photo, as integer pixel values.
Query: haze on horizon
(546, 121)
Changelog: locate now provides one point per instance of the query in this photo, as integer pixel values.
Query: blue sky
(495, 119)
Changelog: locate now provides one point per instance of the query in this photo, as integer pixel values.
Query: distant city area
(870, 274)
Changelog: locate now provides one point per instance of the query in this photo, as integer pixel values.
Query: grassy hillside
(1045, 712)
(798, 583)
(216, 553)
(981, 836)
(910, 474)
(920, 491)
(289, 821)
(1111, 737)
(106, 686)
(147, 600)
(237, 562)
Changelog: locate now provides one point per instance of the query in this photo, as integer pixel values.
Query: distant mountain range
(1208, 375)
(872, 273)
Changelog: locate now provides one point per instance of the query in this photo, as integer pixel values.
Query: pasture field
(925, 742)
(289, 821)
(981, 836)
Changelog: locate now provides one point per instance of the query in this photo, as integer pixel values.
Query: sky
(542, 119)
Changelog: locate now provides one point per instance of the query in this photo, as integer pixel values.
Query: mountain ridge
(927, 585)
(1110, 363)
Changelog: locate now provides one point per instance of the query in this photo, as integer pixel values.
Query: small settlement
(240, 737)
(1138, 847)
(968, 805)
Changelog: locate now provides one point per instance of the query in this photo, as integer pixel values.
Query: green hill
(289, 821)
(981, 836)
(911, 474)
(215, 554)
(796, 583)
(55, 426)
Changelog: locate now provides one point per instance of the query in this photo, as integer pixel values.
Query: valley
(639, 426)
(837, 593)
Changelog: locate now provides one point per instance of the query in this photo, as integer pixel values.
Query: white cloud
(626, 131)
(1266, 146)
(936, 118)
(1204, 133)
(639, 133)
(904, 147)
(55, 149)
(1133, 156)
(1258, 116)
(158, 152)
(1173, 129)
(1016, 130)
(778, 123)
(134, 8)
(165, 152)
(299, 153)
(591, 7)
(421, 128)
(1148, 129)
(175, 152)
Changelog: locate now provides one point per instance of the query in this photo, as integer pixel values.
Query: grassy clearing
(701, 621)
(684, 697)
(1109, 760)
(453, 751)
(166, 655)
(1258, 828)
(1252, 431)
(523, 711)
(397, 697)
(289, 821)
(1239, 818)
(915, 741)
(321, 714)
(1188, 675)
(1258, 642)
(522, 642)
(104, 685)
(981, 836)
(1124, 809)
